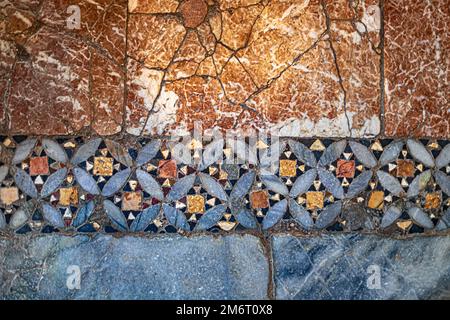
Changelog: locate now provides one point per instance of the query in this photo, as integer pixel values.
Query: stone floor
(304, 142)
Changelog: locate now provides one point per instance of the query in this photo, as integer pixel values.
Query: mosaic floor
(76, 184)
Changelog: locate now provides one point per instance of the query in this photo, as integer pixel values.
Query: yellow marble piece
(314, 200)
(9, 195)
(432, 200)
(103, 166)
(376, 200)
(68, 196)
(131, 201)
(288, 168)
(195, 204)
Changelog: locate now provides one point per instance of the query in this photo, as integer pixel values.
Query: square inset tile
(195, 204)
(259, 199)
(314, 200)
(38, 166)
(288, 168)
(9, 195)
(405, 168)
(432, 200)
(345, 168)
(103, 166)
(167, 169)
(68, 196)
(376, 200)
(131, 201)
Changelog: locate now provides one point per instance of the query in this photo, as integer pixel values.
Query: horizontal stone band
(159, 185)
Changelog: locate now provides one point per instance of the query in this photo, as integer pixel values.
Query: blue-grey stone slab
(163, 267)
(343, 266)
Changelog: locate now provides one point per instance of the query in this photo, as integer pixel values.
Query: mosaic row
(165, 185)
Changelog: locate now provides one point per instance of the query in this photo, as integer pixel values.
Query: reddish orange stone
(345, 169)
(167, 169)
(405, 168)
(38, 165)
(193, 12)
(259, 199)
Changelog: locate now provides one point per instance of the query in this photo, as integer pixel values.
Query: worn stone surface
(167, 267)
(306, 68)
(58, 77)
(336, 267)
(417, 68)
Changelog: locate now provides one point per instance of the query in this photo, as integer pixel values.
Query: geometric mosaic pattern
(75, 184)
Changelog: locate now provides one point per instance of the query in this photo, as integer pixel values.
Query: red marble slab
(417, 68)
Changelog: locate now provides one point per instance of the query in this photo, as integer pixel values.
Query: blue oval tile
(53, 182)
(420, 153)
(328, 215)
(149, 184)
(331, 183)
(116, 216)
(25, 183)
(210, 218)
(363, 154)
(213, 187)
(332, 153)
(275, 214)
(242, 186)
(54, 150)
(443, 158)
(23, 150)
(420, 217)
(246, 219)
(86, 151)
(83, 214)
(148, 152)
(145, 218)
(86, 181)
(359, 184)
(303, 182)
(273, 183)
(116, 182)
(212, 153)
(181, 188)
(303, 153)
(119, 152)
(176, 217)
(391, 152)
(52, 215)
(390, 183)
(301, 215)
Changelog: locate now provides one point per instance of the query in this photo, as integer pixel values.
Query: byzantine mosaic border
(158, 185)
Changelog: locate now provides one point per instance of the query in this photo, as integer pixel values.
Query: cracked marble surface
(417, 68)
(306, 68)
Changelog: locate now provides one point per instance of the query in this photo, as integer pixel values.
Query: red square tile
(38, 166)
